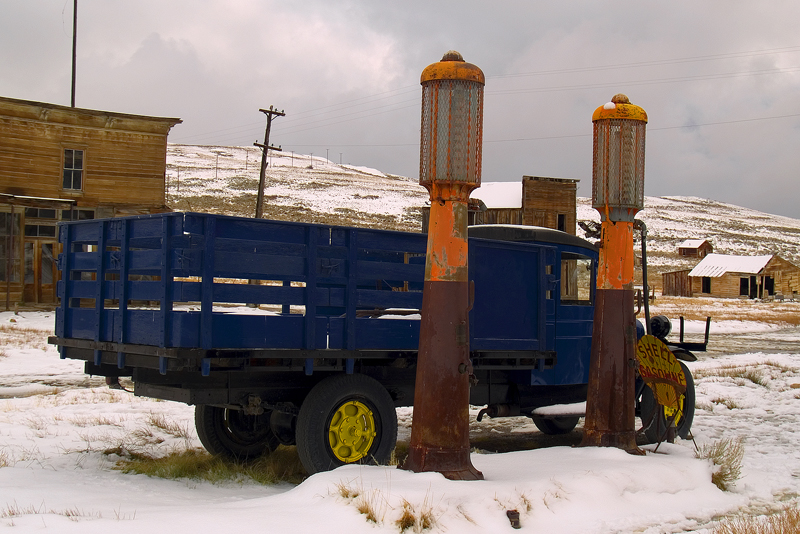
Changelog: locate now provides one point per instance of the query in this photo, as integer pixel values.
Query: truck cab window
(577, 273)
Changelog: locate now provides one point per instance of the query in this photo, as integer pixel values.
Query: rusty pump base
(440, 429)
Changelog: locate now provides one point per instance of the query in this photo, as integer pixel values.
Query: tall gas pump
(618, 194)
(450, 169)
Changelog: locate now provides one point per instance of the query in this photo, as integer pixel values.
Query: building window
(40, 222)
(706, 285)
(40, 230)
(76, 215)
(73, 169)
(562, 222)
(744, 286)
(9, 247)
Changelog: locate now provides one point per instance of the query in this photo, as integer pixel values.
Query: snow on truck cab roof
(514, 232)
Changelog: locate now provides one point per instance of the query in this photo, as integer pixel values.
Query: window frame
(81, 171)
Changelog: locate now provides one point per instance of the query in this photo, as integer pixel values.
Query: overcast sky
(719, 79)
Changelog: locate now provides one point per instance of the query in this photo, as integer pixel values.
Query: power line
(649, 129)
(566, 136)
(655, 81)
(658, 62)
(315, 118)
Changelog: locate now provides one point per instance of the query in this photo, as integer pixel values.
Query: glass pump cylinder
(618, 153)
(452, 123)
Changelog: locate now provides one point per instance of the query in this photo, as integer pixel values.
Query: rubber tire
(657, 428)
(321, 404)
(556, 425)
(234, 434)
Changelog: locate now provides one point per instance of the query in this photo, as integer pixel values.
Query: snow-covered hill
(222, 179)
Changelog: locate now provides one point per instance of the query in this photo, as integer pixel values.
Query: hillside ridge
(223, 179)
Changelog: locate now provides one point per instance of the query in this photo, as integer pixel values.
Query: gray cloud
(347, 74)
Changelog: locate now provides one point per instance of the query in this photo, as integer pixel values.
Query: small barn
(695, 248)
(61, 163)
(536, 201)
(676, 284)
(720, 275)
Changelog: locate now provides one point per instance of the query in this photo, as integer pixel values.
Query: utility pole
(264, 149)
(74, 47)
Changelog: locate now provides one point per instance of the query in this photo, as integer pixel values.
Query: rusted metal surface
(447, 252)
(452, 67)
(440, 429)
(615, 268)
(612, 373)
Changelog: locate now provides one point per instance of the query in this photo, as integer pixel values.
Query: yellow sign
(660, 370)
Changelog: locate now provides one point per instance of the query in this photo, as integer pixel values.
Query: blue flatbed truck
(306, 334)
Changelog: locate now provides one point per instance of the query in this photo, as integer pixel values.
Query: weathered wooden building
(59, 163)
(719, 275)
(676, 284)
(695, 248)
(536, 201)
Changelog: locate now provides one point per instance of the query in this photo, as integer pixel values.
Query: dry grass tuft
(726, 455)
(23, 337)
(346, 491)
(734, 371)
(407, 519)
(418, 519)
(728, 403)
(282, 465)
(74, 514)
(399, 454)
(786, 521)
(94, 421)
(170, 427)
(5, 459)
(781, 367)
(372, 505)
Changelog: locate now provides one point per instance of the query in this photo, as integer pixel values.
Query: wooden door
(40, 272)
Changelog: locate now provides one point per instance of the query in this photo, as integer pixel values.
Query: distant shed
(536, 201)
(676, 284)
(720, 275)
(695, 248)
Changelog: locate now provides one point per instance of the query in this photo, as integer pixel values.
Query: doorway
(40, 272)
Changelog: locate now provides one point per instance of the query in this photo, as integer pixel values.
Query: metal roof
(692, 243)
(716, 265)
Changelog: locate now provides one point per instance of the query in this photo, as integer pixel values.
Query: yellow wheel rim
(351, 432)
(671, 409)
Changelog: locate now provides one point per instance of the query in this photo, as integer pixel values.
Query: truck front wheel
(234, 434)
(346, 419)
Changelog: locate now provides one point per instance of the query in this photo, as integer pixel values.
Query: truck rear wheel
(655, 417)
(346, 419)
(233, 433)
(556, 425)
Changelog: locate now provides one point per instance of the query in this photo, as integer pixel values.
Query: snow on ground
(304, 181)
(53, 477)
